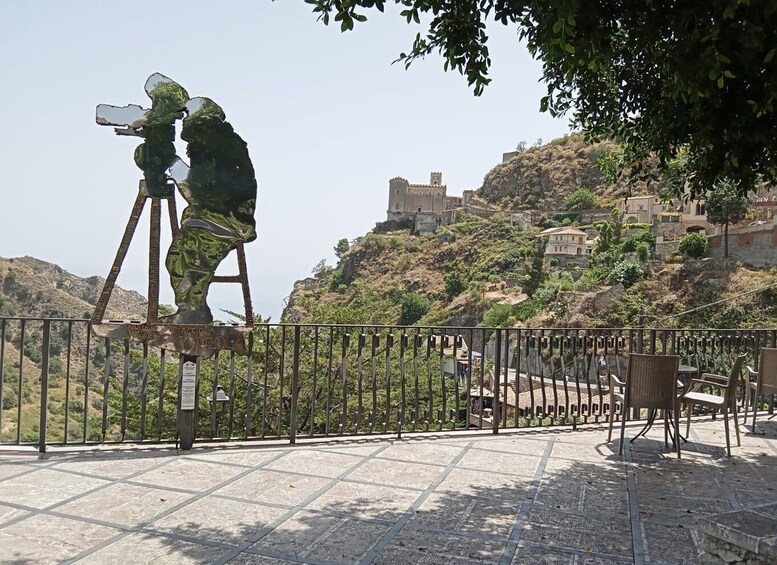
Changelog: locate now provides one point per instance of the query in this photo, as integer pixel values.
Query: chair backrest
(651, 381)
(734, 377)
(767, 371)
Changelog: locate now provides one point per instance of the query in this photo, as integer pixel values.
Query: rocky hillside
(31, 287)
(540, 178)
(474, 272)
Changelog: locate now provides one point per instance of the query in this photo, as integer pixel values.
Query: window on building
(419, 208)
(396, 206)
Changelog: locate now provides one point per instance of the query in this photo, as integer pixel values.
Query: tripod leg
(110, 282)
(241, 264)
(153, 262)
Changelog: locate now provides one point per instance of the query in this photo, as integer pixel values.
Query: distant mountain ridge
(30, 287)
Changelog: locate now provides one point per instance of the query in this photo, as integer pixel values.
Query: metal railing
(60, 385)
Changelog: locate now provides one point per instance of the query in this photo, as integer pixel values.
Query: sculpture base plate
(202, 340)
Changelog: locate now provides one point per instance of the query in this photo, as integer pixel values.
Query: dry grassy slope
(541, 177)
(364, 286)
(694, 294)
(31, 287)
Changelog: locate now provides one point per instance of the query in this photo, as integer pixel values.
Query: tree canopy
(663, 78)
(724, 206)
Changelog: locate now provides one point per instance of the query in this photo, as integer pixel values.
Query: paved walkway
(532, 496)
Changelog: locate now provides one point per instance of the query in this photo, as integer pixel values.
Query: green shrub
(455, 284)
(626, 273)
(414, 306)
(693, 245)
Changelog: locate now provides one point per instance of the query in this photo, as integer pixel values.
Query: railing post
(496, 416)
(188, 374)
(294, 387)
(44, 386)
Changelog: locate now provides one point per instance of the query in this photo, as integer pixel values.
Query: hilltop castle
(426, 204)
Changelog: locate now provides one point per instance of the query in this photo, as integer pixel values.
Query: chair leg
(746, 403)
(736, 425)
(676, 419)
(666, 428)
(623, 428)
(725, 425)
(688, 407)
(755, 409)
(612, 417)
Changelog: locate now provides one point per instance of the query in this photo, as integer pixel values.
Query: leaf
(721, 81)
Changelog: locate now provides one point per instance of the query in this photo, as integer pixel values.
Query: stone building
(406, 200)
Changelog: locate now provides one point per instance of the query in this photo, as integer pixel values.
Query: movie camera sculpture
(219, 187)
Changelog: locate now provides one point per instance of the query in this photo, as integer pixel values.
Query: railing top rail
(367, 325)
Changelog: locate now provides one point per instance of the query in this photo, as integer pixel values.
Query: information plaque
(188, 385)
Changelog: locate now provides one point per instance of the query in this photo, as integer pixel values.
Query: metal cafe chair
(724, 401)
(765, 380)
(651, 382)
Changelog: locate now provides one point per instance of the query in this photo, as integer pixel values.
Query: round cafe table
(685, 373)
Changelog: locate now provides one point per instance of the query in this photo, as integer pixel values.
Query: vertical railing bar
(86, 379)
(143, 394)
(160, 409)
(430, 344)
(2, 373)
(314, 379)
(266, 371)
(21, 384)
(483, 380)
(44, 386)
(506, 367)
(387, 410)
(294, 386)
(401, 412)
(527, 341)
(248, 410)
(468, 382)
(329, 383)
(67, 378)
(230, 422)
(562, 350)
(416, 389)
(374, 370)
(541, 372)
(106, 373)
(281, 377)
(362, 341)
(344, 342)
(456, 337)
(214, 397)
(443, 389)
(124, 388)
(553, 379)
(497, 373)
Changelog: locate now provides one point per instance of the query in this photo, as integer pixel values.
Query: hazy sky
(327, 118)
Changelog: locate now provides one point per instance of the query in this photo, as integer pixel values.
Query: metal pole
(44, 386)
(294, 387)
(188, 370)
(495, 415)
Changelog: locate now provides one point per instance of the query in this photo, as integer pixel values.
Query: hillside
(474, 271)
(541, 177)
(31, 287)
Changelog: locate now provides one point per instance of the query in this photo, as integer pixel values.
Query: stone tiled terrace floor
(531, 496)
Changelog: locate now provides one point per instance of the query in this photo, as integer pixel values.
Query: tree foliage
(726, 205)
(693, 245)
(536, 273)
(661, 77)
(581, 199)
(342, 248)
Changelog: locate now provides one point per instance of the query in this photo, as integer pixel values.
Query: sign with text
(188, 385)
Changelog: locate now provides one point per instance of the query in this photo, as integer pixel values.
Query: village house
(567, 243)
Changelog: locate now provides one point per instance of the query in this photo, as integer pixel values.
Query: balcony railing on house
(60, 385)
